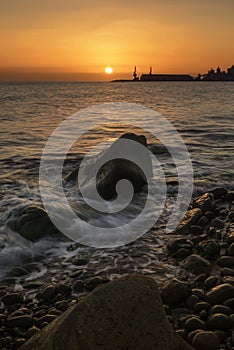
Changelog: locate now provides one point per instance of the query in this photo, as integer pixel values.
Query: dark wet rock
(210, 215)
(80, 261)
(63, 289)
(196, 230)
(76, 273)
(221, 335)
(227, 271)
(226, 261)
(198, 292)
(174, 291)
(219, 192)
(209, 248)
(199, 280)
(25, 321)
(217, 223)
(202, 305)
(229, 303)
(179, 243)
(193, 323)
(84, 326)
(33, 223)
(78, 286)
(47, 318)
(205, 340)
(190, 218)
(12, 298)
(220, 293)
(48, 293)
(117, 168)
(196, 264)
(221, 309)
(32, 331)
(210, 282)
(191, 301)
(61, 305)
(219, 321)
(203, 315)
(203, 221)
(94, 282)
(205, 202)
(231, 250)
(181, 254)
(191, 335)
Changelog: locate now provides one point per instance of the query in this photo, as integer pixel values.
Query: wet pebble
(219, 321)
(205, 340)
(193, 323)
(13, 298)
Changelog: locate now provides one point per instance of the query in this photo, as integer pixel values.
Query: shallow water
(202, 112)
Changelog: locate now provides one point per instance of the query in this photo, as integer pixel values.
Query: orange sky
(76, 39)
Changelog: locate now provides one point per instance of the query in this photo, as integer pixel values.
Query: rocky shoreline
(199, 302)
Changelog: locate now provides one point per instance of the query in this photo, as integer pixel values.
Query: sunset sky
(77, 39)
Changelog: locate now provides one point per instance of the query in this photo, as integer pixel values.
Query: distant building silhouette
(166, 77)
(135, 77)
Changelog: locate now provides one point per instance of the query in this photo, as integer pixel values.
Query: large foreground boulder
(117, 168)
(123, 314)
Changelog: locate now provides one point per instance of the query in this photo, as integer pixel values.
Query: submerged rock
(32, 222)
(124, 314)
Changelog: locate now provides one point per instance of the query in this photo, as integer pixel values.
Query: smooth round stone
(192, 300)
(191, 335)
(12, 298)
(19, 342)
(210, 282)
(206, 341)
(219, 321)
(193, 323)
(229, 303)
(231, 250)
(174, 291)
(217, 223)
(227, 271)
(196, 264)
(221, 334)
(78, 286)
(227, 261)
(181, 254)
(209, 247)
(232, 319)
(221, 309)
(48, 293)
(31, 331)
(220, 293)
(203, 221)
(202, 305)
(63, 289)
(198, 292)
(25, 321)
(203, 315)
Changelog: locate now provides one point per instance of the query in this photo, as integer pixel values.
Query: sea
(201, 112)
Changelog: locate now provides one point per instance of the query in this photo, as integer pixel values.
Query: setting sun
(108, 70)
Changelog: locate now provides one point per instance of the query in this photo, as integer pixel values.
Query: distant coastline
(211, 75)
